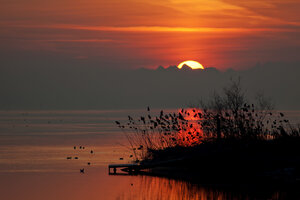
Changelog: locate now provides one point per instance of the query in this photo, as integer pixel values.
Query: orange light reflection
(191, 132)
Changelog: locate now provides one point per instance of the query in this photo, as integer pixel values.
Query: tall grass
(225, 116)
(162, 131)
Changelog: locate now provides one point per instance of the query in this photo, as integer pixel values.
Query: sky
(91, 54)
(131, 34)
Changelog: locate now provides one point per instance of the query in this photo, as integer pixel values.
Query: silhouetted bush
(230, 115)
(227, 116)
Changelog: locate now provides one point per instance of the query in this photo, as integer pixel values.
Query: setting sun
(192, 64)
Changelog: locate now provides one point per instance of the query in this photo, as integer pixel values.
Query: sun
(192, 64)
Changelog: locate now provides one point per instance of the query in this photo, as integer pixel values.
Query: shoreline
(275, 162)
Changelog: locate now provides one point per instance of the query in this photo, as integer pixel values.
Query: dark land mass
(257, 169)
(233, 160)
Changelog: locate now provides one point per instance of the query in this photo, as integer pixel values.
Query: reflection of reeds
(148, 187)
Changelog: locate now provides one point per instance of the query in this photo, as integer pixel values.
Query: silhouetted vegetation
(231, 116)
(225, 129)
(160, 132)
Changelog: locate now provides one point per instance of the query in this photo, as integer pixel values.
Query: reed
(224, 117)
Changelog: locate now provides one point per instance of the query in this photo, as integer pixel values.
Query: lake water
(34, 146)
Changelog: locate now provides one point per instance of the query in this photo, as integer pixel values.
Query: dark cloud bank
(97, 88)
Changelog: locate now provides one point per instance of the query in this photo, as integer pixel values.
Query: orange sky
(135, 33)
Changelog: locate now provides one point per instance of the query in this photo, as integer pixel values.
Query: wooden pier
(136, 168)
(129, 168)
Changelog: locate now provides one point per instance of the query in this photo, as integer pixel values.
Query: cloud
(151, 28)
(77, 40)
(147, 33)
(282, 12)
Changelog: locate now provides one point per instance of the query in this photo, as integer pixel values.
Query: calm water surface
(34, 146)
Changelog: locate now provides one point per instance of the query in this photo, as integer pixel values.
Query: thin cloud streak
(177, 29)
(156, 28)
(79, 40)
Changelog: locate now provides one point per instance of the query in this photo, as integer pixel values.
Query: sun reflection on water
(190, 133)
(153, 188)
